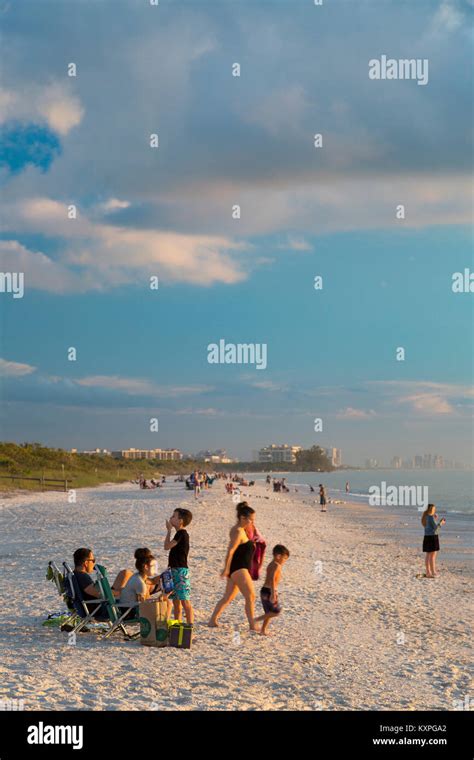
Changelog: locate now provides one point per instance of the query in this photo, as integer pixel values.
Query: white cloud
(426, 397)
(139, 386)
(428, 403)
(447, 18)
(15, 369)
(41, 272)
(111, 255)
(53, 104)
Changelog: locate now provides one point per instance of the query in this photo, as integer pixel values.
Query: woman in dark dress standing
(237, 567)
(431, 539)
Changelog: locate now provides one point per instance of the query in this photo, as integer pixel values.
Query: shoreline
(395, 524)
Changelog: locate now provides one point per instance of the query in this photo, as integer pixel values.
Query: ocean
(451, 490)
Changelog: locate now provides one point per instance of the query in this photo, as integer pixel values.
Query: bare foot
(255, 630)
(213, 624)
(264, 633)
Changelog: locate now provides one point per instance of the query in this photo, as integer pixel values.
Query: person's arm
(144, 594)
(274, 577)
(92, 591)
(169, 544)
(233, 544)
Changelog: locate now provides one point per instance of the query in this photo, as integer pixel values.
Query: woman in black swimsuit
(237, 567)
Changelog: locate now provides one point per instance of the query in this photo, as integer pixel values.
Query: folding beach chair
(81, 606)
(54, 574)
(117, 612)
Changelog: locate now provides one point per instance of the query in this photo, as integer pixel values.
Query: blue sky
(244, 140)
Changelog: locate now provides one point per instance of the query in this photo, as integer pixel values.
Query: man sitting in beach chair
(84, 562)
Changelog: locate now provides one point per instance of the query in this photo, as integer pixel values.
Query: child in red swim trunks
(269, 593)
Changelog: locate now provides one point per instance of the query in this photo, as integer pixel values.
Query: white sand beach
(358, 629)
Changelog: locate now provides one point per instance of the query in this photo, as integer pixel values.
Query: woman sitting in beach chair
(124, 575)
(137, 588)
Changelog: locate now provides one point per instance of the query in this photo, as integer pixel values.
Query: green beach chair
(117, 612)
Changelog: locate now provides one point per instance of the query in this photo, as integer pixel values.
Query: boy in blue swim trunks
(178, 548)
(269, 593)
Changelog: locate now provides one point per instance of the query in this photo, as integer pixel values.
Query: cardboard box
(154, 623)
(180, 635)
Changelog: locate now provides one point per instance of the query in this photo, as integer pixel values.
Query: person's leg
(230, 593)
(188, 611)
(427, 564)
(244, 583)
(177, 609)
(433, 563)
(429, 573)
(266, 621)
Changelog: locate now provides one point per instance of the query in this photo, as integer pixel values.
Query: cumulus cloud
(428, 403)
(111, 255)
(427, 398)
(53, 103)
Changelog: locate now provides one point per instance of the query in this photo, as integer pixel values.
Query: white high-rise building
(334, 456)
(278, 453)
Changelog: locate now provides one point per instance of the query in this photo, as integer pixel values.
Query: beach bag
(180, 634)
(153, 615)
(258, 555)
(167, 585)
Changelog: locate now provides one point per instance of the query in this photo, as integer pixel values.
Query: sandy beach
(358, 629)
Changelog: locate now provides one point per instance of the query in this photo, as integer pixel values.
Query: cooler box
(180, 635)
(154, 623)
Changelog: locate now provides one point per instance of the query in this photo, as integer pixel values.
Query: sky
(166, 212)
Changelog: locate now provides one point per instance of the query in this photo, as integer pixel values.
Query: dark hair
(243, 510)
(185, 515)
(280, 549)
(80, 556)
(145, 559)
(144, 552)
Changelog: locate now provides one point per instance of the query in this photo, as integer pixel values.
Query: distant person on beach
(347, 487)
(197, 484)
(322, 497)
(237, 567)
(431, 539)
(269, 590)
(178, 548)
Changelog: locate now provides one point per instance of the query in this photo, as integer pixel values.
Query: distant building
(418, 462)
(371, 464)
(397, 463)
(96, 452)
(278, 454)
(334, 456)
(219, 456)
(160, 454)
